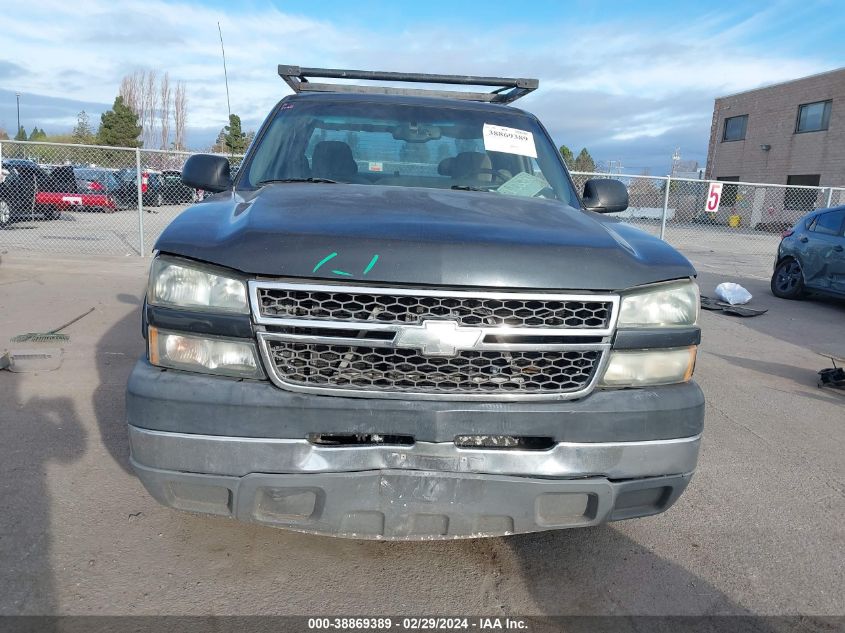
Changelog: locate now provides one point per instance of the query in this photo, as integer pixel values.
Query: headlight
(642, 368)
(182, 284)
(673, 304)
(226, 357)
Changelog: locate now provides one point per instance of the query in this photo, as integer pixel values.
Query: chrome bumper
(421, 492)
(239, 456)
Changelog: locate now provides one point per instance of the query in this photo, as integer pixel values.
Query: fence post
(665, 207)
(140, 202)
(829, 196)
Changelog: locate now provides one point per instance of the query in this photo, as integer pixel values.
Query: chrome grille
(466, 310)
(407, 371)
(416, 343)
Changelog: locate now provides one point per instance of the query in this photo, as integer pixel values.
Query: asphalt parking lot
(91, 232)
(739, 252)
(759, 531)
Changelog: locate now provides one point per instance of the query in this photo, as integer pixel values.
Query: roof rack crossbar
(507, 89)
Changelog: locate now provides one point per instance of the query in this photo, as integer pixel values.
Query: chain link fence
(116, 201)
(89, 199)
(740, 236)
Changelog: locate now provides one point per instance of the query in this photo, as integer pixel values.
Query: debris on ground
(48, 337)
(732, 293)
(27, 361)
(708, 303)
(832, 377)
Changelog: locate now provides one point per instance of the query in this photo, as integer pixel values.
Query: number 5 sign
(714, 197)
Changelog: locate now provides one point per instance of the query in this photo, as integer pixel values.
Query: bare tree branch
(165, 110)
(130, 90)
(180, 114)
(155, 103)
(150, 100)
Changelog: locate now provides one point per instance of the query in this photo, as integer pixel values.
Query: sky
(631, 81)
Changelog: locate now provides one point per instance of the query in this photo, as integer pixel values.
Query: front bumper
(420, 492)
(239, 448)
(182, 402)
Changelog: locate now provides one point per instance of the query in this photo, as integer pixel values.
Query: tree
(21, 135)
(149, 133)
(584, 162)
(643, 191)
(219, 146)
(119, 126)
(4, 135)
(568, 156)
(180, 115)
(83, 132)
(150, 96)
(233, 136)
(165, 110)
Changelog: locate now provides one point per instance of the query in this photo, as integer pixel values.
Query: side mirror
(605, 195)
(207, 172)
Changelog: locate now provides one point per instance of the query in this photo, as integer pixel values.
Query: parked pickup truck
(401, 321)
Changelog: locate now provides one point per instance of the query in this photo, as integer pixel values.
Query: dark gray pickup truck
(400, 321)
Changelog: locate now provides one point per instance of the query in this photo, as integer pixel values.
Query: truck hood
(420, 236)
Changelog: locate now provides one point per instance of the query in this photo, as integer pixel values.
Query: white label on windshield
(509, 140)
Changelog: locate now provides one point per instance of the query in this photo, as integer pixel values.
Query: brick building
(792, 133)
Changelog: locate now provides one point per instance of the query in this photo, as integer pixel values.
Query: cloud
(54, 114)
(8, 70)
(622, 87)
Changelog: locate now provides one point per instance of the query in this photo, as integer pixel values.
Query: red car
(28, 189)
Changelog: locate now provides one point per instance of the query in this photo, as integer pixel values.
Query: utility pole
(18, 99)
(676, 160)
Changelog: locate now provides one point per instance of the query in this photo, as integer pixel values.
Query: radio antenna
(225, 74)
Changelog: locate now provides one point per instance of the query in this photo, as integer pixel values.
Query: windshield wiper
(274, 181)
(468, 188)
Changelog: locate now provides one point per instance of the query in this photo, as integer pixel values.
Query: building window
(735, 128)
(729, 192)
(796, 199)
(813, 117)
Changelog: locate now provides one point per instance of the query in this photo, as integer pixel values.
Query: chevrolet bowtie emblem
(438, 338)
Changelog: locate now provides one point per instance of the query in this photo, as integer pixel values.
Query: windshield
(367, 143)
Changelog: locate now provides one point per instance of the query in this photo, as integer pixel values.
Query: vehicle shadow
(36, 432)
(116, 352)
(601, 571)
(799, 375)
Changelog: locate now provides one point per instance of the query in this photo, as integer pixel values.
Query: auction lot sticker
(509, 140)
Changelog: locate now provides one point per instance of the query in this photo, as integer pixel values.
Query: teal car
(811, 256)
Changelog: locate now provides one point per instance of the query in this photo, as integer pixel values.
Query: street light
(18, 98)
